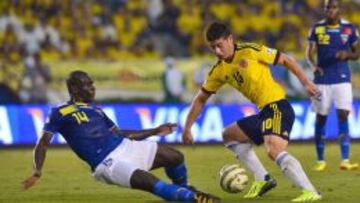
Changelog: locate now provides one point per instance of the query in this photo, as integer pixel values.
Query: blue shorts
(276, 118)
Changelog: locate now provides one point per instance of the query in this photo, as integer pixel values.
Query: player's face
(223, 48)
(332, 10)
(86, 89)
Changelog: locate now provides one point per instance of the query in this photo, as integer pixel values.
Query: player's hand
(311, 89)
(29, 182)
(341, 55)
(187, 137)
(318, 71)
(166, 128)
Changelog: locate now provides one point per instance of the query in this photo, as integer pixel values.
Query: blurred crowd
(35, 32)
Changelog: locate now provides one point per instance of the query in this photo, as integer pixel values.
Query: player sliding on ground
(115, 156)
(244, 66)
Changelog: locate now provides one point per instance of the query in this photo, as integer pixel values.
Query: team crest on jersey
(238, 78)
(243, 63)
(344, 38)
(346, 32)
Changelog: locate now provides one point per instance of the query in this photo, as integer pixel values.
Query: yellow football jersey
(249, 73)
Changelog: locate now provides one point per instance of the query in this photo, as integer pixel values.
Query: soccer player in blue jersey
(119, 157)
(335, 42)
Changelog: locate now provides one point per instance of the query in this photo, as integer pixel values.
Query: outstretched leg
(290, 166)
(237, 141)
(128, 166)
(143, 180)
(146, 181)
(173, 162)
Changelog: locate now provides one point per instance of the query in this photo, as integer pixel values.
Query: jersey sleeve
(212, 82)
(52, 123)
(354, 37)
(312, 35)
(267, 55)
(109, 123)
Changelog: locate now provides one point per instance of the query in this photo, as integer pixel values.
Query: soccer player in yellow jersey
(245, 67)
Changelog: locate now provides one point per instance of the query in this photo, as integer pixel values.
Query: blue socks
(178, 174)
(344, 139)
(172, 192)
(320, 140)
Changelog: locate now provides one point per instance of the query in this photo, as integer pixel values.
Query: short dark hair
(216, 31)
(74, 80)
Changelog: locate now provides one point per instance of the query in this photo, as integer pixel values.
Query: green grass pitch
(67, 179)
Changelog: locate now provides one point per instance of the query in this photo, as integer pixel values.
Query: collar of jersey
(81, 103)
(333, 26)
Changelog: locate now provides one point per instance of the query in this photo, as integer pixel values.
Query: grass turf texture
(67, 179)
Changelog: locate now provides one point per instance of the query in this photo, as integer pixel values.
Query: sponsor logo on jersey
(333, 30)
(320, 30)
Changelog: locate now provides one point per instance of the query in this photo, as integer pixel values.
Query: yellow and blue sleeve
(312, 35)
(52, 122)
(354, 38)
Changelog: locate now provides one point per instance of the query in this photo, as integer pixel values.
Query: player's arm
(295, 68)
(196, 107)
(352, 54)
(39, 158)
(310, 53)
(163, 129)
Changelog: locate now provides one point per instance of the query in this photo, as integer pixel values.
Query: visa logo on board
(23, 124)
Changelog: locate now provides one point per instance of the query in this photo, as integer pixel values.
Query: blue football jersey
(86, 129)
(329, 40)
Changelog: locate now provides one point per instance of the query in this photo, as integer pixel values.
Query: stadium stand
(115, 30)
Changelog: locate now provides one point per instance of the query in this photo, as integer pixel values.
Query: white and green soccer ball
(233, 178)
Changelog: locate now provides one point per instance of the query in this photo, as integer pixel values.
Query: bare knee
(172, 157)
(234, 133)
(227, 137)
(272, 152)
(167, 157)
(143, 180)
(274, 146)
(177, 158)
(342, 114)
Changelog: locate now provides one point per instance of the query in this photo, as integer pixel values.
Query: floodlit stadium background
(126, 46)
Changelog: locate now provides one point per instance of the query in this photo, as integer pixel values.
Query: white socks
(292, 169)
(246, 155)
(289, 165)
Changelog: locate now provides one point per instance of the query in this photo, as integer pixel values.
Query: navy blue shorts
(274, 119)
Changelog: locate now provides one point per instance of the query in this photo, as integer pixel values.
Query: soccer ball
(233, 178)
